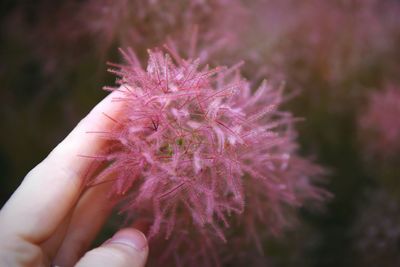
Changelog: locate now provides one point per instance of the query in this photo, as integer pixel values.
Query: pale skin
(51, 221)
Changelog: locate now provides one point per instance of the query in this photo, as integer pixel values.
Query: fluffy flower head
(187, 138)
(194, 146)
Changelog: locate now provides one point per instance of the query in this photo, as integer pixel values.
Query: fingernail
(130, 237)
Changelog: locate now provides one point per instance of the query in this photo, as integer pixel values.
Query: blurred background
(340, 58)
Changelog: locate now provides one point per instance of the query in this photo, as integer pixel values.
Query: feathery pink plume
(188, 144)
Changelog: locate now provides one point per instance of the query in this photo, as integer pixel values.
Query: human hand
(50, 220)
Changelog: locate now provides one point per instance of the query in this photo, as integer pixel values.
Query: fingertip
(130, 237)
(127, 248)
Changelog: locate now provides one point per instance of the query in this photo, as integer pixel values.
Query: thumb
(127, 248)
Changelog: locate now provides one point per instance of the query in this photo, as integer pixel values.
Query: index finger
(52, 188)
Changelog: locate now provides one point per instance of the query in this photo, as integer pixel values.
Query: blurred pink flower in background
(67, 32)
(145, 23)
(195, 146)
(328, 40)
(380, 124)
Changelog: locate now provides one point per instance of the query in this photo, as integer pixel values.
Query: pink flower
(145, 23)
(192, 145)
(61, 33)
(380, 124)
(348, 37)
